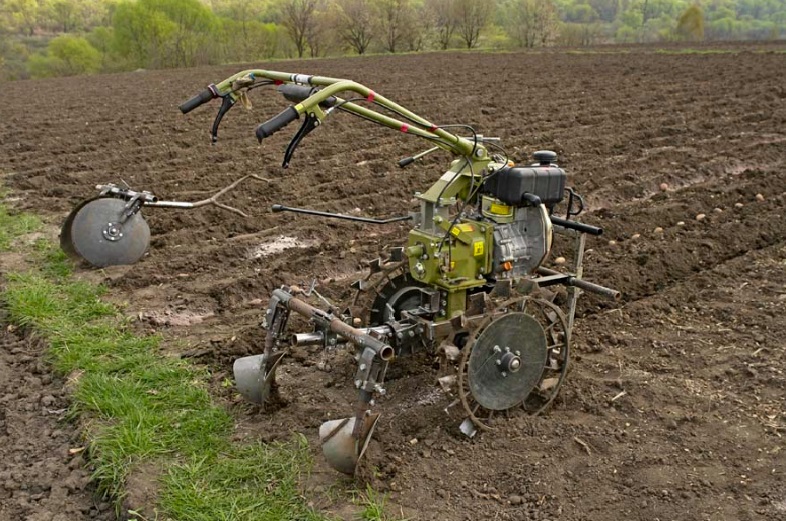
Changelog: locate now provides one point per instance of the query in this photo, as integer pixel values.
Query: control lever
(227, 104)
(403, 163)
(310, 123)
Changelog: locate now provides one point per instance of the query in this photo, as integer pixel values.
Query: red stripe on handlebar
(278, 82)
(370, 96)
(404, 128)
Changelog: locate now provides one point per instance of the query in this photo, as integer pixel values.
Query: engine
(507, 237)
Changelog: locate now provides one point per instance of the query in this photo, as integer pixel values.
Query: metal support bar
(583, 284)
(282, 208)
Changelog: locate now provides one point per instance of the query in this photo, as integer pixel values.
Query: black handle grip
(403, 163)
(579, 227)
(277, 208)
(200, 99)
(276, 123)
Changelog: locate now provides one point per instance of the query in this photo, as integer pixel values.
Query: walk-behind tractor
(469, 285)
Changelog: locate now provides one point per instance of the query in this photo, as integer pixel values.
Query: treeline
(66, 37)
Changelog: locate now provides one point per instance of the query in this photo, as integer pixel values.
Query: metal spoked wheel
(515, 358)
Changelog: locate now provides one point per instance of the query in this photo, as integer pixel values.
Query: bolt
(358, 383)
(518, 353)
(507, 349)
(499, 362)
(362, 367)
(497, 349)
(399, 335)
(504, 374)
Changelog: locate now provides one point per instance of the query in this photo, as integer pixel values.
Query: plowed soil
(674, 408)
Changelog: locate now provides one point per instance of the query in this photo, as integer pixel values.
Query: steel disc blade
(494, 385)
(66, 243)
(97, 234)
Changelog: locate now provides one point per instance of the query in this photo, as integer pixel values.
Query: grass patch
(15, 225)
(372, 504)
(138, 405)
(696, 51)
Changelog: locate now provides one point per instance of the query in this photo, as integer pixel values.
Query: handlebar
(312, 93)
(200, 99)
(579, 227)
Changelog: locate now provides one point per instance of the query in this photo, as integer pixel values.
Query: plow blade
(254, 375)
(341, 449)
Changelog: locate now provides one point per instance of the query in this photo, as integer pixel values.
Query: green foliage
(131, 34)
(66, 55)
(691, 24)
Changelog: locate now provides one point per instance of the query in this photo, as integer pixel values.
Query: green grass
(13, 226)
(139, 406)
(372, 504)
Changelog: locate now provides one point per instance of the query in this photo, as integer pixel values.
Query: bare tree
(394, 18)
(355, 24)
(443, 16)
(471, 18)
(531, 22)
(299, 21)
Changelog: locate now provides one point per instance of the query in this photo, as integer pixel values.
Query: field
(674, 408)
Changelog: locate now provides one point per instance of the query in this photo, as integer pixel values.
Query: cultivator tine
(341, 448)
(254, 375)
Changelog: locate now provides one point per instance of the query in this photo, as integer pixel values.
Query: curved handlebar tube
(327, 96)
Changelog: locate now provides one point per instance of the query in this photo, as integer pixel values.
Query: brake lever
(309, 123)
(227, 104)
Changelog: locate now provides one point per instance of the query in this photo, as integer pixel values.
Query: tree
(691, 24)
(443, 16)
(192, 23)
(471, 18)
(141, 34)
(394, 18)
(63, 14)
(24, 15)
(298, 18)
(531, 22)
(355, 24)
(66, 55)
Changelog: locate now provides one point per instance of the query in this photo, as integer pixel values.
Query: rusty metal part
(357, 336)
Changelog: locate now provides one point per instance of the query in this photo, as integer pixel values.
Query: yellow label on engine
(501, 209)
(463, 227)
(477, 248)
